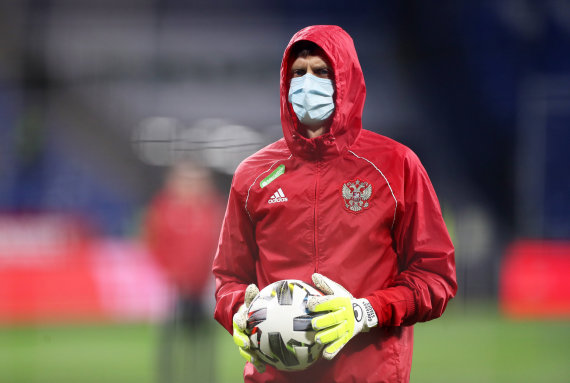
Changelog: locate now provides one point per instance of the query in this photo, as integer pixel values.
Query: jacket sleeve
(234, 263)
(426, 279)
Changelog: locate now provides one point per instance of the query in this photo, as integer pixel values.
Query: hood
(350, 93)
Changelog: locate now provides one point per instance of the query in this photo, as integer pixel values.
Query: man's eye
(323, 72)
(298, 72)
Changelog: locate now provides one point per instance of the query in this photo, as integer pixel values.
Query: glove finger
(318, 304)
(252, 358)
(334, 348)
(328, 320)
(241, 339)
(250, 293)
(328, 286)
(246, 354)
(320, 282)
(240, 319)
(331, 334)
(313, 301)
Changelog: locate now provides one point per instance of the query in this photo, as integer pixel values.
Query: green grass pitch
(469, 344)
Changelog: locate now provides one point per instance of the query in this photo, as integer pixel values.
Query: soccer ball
(280, 328)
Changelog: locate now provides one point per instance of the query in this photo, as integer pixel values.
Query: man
(338, 205)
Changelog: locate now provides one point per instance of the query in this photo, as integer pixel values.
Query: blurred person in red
(182, 228)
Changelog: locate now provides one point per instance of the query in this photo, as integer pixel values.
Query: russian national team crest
(356, 195)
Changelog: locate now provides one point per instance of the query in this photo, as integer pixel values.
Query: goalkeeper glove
(241, 338)
(345, 317)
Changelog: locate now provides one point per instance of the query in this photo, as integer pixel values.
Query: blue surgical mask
(312, 98)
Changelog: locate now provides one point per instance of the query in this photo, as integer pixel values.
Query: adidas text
(278, 196)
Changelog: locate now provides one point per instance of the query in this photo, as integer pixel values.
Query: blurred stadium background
(98, 98)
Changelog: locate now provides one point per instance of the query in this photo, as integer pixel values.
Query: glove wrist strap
(370, 317)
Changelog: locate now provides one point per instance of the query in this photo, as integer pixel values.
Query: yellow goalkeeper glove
(241, 338)
(345, 317)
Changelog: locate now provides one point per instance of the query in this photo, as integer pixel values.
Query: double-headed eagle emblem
(356, 195)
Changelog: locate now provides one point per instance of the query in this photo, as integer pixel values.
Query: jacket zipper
(316, 219)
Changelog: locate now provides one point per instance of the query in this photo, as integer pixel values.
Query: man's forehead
(310, 59)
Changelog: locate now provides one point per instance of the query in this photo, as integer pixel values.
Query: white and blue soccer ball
(280, 328)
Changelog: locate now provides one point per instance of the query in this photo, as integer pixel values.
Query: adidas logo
(278, 196)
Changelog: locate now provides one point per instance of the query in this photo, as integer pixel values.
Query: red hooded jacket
(392, 247)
